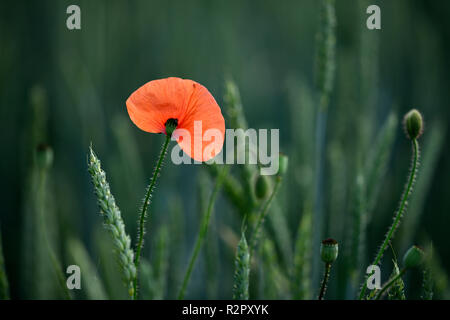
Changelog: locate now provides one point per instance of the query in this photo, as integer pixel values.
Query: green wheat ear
(413, 258)
(397, 292)
(113, 221)
(242, 270)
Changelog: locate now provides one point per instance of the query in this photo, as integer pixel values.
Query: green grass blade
(161, 262)
(148, 289)
(91, 284)
(358, 245)
(275, 283)
(301, 278)
(154, 276)
(203, 231)
(378, 159)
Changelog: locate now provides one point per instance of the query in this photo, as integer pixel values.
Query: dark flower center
(329, 241)
(171, 125)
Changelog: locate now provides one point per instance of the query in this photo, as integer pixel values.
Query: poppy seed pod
(413, 257)
(413, 124)
(282, 164)
(44, 156)
(329, 250)
(171, 125)
(261, 187)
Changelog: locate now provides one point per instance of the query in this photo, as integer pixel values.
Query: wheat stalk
(113, 221)
(242, 270)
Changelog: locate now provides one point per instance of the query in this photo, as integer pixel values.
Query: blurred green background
(68, 88)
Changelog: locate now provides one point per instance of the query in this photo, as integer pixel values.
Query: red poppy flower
(190, 104)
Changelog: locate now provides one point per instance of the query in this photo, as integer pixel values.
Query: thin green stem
(326, 277)
(143, 214)
(203, 231)
(399, 213)
(262, 216)
(389, 284)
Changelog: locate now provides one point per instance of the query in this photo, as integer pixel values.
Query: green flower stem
(326, 277)
(399, 213)
(143, 214)
(262, 216)
(203, 231)
(389, 284)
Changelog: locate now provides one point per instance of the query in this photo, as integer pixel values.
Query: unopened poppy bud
(44, 156)
(329, 250)
(413, 257)
(282, 164)
(413, 124)
(171, 125)
(262, 187)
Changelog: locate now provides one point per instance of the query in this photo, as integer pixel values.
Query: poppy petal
(155, 102)
(203, 114)
(196, 110)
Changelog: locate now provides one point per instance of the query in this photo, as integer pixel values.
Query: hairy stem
(262, 216)
(326, 277)
(325, 78)
(389, 284)
(203, 231)
(143, 214)
(390, 234)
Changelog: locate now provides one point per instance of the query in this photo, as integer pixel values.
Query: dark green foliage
(4, 285)
(427, 285)
(311, 69)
